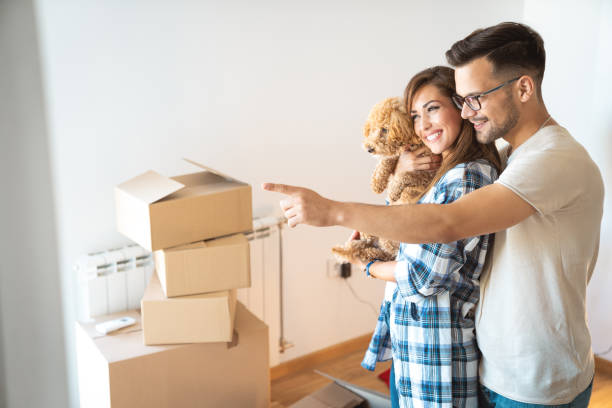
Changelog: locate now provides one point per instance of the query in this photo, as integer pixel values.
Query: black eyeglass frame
(460, 100)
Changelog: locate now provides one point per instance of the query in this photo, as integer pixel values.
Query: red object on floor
(384, 376)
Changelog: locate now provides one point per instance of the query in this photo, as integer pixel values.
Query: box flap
(218, 173)
(373, 398)
(331, 396)
(150, 186)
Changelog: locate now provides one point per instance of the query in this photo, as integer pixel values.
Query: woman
(426, 323)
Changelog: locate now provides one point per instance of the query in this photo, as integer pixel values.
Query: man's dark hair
(510, 47)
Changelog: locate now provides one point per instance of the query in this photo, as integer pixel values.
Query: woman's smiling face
(436, 119)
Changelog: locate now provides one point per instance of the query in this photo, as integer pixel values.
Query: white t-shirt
(531, 320)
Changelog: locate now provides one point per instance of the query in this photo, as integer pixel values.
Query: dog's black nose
(370, 149)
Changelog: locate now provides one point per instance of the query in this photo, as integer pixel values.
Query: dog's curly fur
(387, 133)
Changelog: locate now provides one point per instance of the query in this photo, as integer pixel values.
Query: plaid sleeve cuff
(407, 288)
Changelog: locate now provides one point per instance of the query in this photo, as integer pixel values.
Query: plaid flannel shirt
(428, 326)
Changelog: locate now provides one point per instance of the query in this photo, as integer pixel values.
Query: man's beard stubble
(496, 132)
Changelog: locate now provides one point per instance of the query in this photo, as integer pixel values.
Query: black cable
(359, 299)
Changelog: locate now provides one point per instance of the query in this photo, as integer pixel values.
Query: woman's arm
(383, 270)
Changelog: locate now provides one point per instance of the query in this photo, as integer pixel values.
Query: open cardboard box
(205, 266)
(342, 394)
(201, 318)
(118, 370)
(159, 212)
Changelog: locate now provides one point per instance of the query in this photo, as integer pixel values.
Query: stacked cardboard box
(194, 224)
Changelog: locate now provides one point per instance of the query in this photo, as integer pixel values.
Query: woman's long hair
(465, 148)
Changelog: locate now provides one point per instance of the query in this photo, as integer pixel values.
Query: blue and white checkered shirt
(426, 322)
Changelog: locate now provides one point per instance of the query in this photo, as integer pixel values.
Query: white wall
(265, 91)
(32, 354)
(577, 89)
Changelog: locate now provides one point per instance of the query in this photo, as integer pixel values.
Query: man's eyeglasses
(473, 101)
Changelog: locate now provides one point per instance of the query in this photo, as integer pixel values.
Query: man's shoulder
(552, 146)
(553, 139)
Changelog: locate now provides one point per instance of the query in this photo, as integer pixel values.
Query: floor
(290, 388)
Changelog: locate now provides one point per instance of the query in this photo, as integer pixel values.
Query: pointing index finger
(280, 188)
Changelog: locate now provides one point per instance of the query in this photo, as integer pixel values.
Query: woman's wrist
(369, 268)
(383, 270)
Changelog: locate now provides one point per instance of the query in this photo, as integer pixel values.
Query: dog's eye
(383, 131)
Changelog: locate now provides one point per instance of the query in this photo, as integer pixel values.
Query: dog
(387, 133)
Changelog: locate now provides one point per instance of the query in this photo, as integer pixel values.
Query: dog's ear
(367, 128)
(400, 130)
(399, 105)
(375, 117)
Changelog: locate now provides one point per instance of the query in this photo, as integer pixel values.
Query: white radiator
(264, 297)
(113, 281)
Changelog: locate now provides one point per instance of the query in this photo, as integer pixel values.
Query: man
(545, 209)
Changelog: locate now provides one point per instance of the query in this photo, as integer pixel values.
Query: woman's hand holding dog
(416, 161)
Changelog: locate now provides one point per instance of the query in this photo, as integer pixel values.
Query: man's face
(499, 113)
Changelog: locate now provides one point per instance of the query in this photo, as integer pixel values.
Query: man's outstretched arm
(486, 210)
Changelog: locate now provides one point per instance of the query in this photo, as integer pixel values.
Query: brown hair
(465, 148)
(510, 47)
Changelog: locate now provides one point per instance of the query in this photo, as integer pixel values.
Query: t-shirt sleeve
(548, 179)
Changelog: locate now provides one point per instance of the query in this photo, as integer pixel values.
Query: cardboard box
(158, 212)
(342, 394)
(118, 371)
(206, 266)
(331, 396)
(201, 318)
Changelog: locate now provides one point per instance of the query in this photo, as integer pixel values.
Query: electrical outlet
(336, 269)
(345, 270)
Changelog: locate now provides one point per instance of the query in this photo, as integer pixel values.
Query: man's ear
(526, 88)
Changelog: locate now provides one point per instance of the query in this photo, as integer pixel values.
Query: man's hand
(415, 161)
(304, 206)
